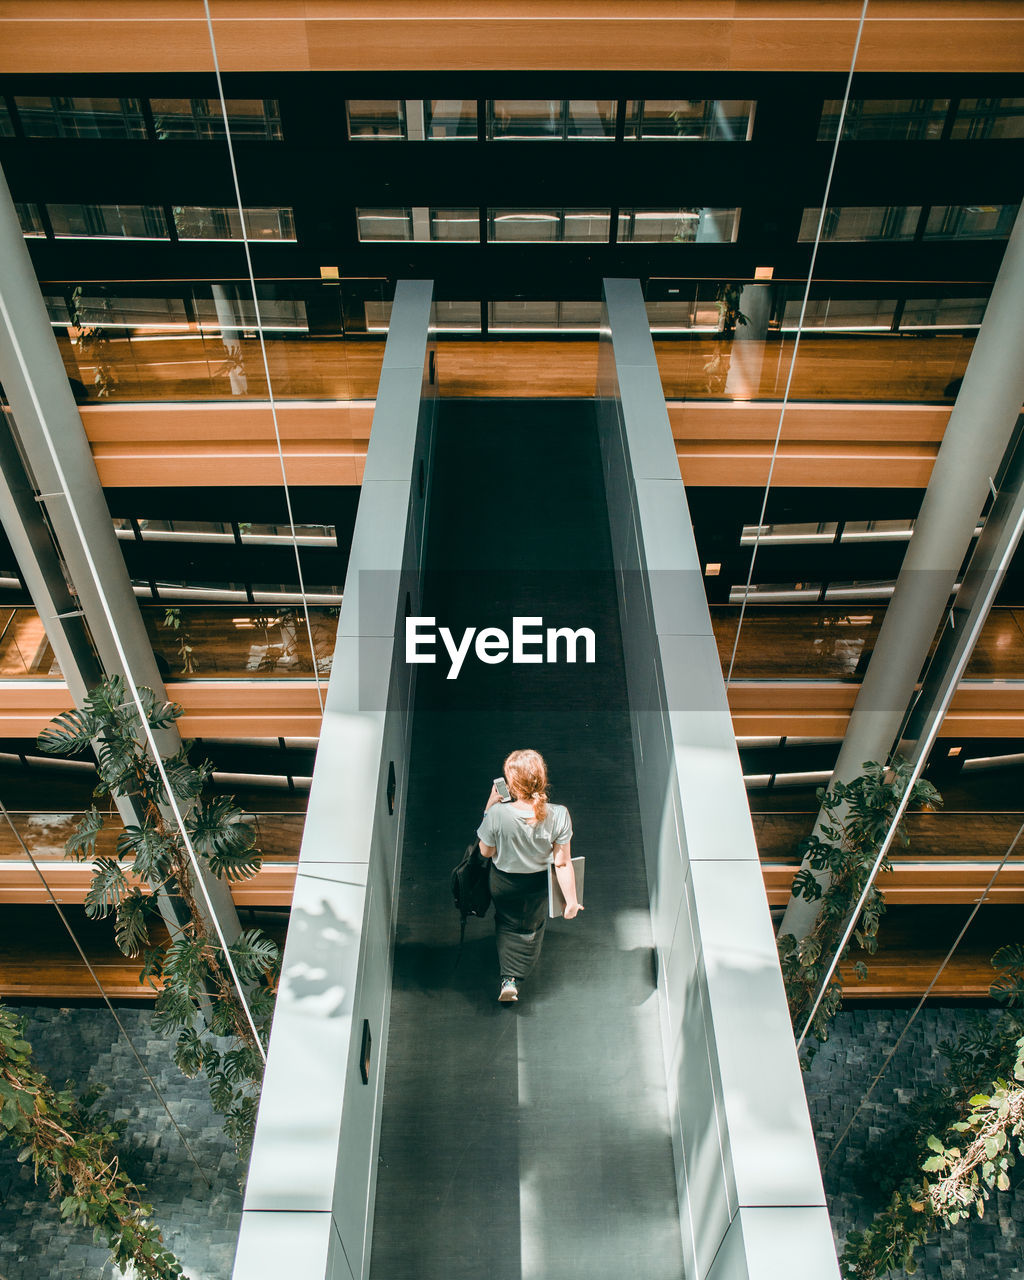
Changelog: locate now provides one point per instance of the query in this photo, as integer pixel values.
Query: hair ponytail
(527, 776)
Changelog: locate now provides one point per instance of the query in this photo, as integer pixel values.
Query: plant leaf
(107, 889)
(67, 733)
(81, 844)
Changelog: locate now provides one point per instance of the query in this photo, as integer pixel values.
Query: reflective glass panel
(384, 224)
(6, 123)
(856, 222)
(884, 119)
(701, 119)
(376, 118)
(81, 117)
(524, 118)
(454, 224)
(205, 222)
(538, 225)
(457, 315)
(989, 118)
(841, 313)
(942, 313)
(30, 219)
(542, 317)
(591, 119)
(257, 118)
(107, 221)
(789, 534)
(681, 226)
(450, 117)
(970, 221)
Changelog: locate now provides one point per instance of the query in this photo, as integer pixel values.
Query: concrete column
(976, 439)
(58, 465)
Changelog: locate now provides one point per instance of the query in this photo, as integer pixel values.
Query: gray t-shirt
(523, 845)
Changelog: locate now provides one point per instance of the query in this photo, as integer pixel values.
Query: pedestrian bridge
(640, 1112)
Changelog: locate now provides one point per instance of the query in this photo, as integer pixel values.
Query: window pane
(204, 222)
(454, 224)
(30, 219)
(376, 118)
(788, 534)
(989, 118)
(853, 222)
(384, 224)
(6, 123)
(524, 225)
(81, 117)
(970, 221)
(929, 313)
(877, 530)
(116, 312)
(526, 118)
(257, 118)
(535, 225)
(589, 119)
(681, 226)
(694, 119)
(884, 119)
(451, 117)
(108, 221)
(587, 224)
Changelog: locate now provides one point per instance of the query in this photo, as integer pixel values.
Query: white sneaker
(509, 991)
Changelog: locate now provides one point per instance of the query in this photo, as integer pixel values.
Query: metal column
(976, 439)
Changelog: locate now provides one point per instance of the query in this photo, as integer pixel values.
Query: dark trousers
(520, 910)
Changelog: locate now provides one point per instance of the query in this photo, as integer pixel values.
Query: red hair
(527, 777)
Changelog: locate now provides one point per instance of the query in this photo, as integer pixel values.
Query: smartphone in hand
(501, 786)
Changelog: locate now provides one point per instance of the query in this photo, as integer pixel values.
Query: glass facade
(554, 119)
(107, 221)
(679, 226)
(892, 222)
(548, 225)
(255, 119)
(195, 222)
(989, 118)
(81, 117)
(885, 119)
(699, 120)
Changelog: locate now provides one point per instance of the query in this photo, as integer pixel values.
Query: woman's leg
(520, 910)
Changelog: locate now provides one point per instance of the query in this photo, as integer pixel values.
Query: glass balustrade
(25, 652)
(800, 642)
(946, 833)
(278, 835)
(233, 642)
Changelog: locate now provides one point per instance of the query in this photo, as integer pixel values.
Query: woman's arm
(567, 879)
(493, 798)
(486, 850)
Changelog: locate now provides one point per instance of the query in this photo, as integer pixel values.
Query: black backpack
(471, 887)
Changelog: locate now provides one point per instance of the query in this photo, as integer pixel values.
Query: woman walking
(522, 836)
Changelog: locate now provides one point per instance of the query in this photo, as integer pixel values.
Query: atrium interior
(295, 352)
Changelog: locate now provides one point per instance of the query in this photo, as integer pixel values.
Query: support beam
(56, 465)
(977, 437)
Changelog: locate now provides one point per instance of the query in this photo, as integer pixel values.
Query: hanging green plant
(197, 1002)
(73, 1147)
(858, 815)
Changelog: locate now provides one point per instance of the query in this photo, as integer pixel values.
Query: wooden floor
(837, 367)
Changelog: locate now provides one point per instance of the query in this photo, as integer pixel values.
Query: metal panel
(314, 1157)
(740, 1125)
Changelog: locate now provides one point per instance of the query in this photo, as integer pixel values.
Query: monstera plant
(197, 1002)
